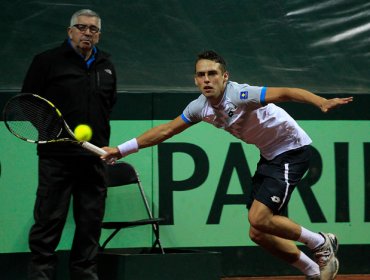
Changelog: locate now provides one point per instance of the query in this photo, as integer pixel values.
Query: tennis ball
(83, 132)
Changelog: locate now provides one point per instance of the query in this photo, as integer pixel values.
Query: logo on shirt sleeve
(243, 95)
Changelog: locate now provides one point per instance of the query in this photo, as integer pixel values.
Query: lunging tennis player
(248, 113)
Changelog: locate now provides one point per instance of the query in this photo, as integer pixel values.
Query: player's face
(210, 79)
(85, 34)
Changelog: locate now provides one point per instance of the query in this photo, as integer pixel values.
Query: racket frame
(85, 144)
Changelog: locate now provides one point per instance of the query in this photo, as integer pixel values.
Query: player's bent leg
(287, 251)
(261, 218)
(279, 247)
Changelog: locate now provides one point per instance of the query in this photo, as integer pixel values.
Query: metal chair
(124, 174)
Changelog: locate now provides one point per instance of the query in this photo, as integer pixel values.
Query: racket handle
(93, 148)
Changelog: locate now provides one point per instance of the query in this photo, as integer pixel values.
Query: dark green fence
(319, 45)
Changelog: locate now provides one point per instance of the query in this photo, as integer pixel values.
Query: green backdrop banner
(319, 45)
(198, 181)
(209, 177)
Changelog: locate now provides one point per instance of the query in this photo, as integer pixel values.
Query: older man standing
(81, 81)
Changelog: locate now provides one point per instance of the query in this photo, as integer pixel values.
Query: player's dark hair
(212, 55)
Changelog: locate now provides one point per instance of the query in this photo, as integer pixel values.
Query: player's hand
(113, 154)
(333, 103)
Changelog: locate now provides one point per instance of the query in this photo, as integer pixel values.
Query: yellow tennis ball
(83, 132)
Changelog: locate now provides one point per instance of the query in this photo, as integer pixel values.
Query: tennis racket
(35, 119)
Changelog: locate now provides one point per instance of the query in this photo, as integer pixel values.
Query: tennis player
(248, 113)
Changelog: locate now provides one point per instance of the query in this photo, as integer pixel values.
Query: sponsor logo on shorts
(275, 199)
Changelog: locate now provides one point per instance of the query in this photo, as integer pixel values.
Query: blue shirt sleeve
(263, 96)
(185, 119)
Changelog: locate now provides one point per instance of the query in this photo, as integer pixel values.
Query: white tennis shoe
(326, 257)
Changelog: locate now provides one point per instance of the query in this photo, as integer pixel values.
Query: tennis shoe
(325, 256)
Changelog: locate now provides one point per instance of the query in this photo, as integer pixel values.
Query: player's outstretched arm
(151, 137)
(160, 133)
(275, 95)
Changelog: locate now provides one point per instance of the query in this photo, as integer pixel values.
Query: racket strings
(33, 118)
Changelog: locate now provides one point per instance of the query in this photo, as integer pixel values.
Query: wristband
(128, 147)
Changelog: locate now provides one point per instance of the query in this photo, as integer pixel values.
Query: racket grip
(96, 150)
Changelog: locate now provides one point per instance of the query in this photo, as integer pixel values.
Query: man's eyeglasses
(83, 27)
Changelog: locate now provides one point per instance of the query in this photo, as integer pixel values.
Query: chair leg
(109, 238)
(157, 242)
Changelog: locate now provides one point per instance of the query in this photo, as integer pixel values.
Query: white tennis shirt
(244, 113)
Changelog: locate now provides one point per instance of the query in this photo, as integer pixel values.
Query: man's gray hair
(87, 13)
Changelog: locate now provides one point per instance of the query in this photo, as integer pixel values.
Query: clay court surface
(339, 277)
